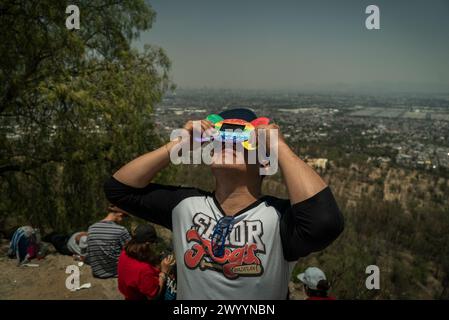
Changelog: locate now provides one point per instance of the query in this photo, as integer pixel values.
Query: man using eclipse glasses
(233, 242)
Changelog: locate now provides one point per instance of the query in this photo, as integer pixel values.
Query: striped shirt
(105, 241)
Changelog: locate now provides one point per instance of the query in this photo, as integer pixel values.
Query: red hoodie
(137, 280)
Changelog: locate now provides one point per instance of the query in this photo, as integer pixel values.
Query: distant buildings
(406, 131)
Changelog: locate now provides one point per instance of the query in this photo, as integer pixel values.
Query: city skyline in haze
(304, 44)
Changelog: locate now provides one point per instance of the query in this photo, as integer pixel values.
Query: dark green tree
(74, 105)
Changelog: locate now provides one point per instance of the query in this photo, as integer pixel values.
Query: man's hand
(268, 128)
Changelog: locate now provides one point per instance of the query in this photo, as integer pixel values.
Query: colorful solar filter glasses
(235, 130)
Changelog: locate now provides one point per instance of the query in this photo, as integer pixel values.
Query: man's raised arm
(313, 220)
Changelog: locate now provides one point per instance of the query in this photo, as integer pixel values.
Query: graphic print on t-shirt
(241, 248)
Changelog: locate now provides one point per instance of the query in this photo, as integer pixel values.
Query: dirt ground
(47, 282)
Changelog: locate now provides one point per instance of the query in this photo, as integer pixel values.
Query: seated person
(315, 283)
(139, 278)
(105, 241)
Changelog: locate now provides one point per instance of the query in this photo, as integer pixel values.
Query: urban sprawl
(404, 130)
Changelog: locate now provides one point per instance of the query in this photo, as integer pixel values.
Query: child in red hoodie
(139, 276)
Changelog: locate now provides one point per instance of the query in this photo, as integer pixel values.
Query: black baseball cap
(145, 233)
(238, 113)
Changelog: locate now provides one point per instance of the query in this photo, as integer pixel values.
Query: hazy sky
(294, 44)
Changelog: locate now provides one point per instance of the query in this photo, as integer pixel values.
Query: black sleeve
(310, 225)
(153, 203)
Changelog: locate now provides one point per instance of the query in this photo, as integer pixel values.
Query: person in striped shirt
(105, 241)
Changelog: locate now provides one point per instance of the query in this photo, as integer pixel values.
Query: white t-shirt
(261, 249)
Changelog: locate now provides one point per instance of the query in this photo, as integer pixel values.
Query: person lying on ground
(139, 276)
(232, 242)
(105, 241)
(74, 244)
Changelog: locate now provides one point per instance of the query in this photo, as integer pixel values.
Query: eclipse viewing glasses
(235, 130)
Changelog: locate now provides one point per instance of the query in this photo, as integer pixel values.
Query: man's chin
(229, 166)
